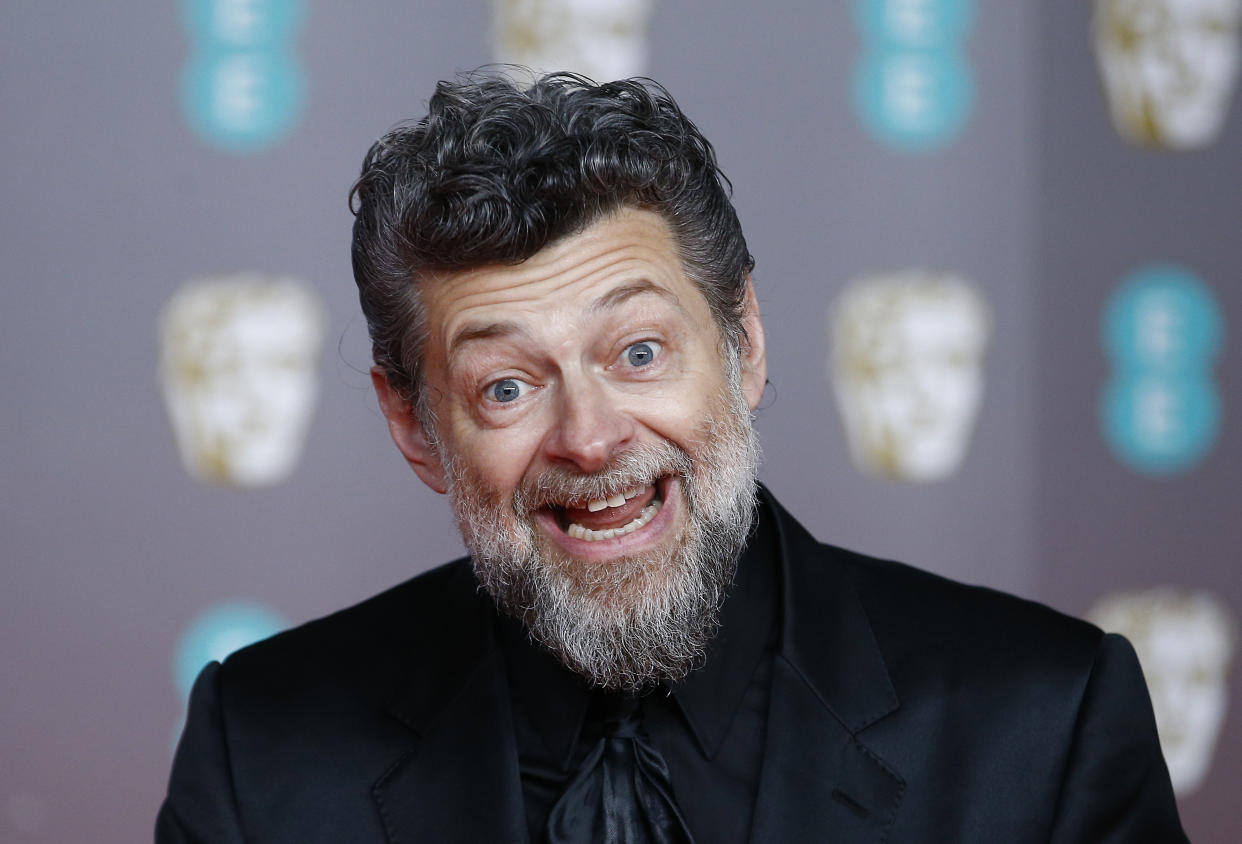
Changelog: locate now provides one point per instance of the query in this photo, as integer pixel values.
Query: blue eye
(507, 389)
(641, 354)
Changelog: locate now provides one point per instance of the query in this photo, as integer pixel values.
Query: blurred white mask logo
(602, 39)
(906, 366)
(1169, 67)
(239, 373)
(1184, 641)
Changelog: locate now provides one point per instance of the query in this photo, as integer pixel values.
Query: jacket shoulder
(930, 625)
(351, 648)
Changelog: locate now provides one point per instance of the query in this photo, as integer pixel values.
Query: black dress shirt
(710, 728)
(903, 708)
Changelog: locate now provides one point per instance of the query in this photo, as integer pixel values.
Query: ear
(407, 432)
(754, 353)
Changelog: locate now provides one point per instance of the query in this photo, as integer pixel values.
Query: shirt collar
(556, 700)
(710, 696)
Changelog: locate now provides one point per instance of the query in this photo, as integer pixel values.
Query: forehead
(628, 255)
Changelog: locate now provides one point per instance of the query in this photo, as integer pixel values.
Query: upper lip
(582, 502)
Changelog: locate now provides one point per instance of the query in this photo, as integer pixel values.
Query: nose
(590, 427)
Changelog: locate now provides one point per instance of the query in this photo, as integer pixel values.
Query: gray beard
(641, 619)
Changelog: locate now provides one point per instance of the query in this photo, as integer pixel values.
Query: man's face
(595, 443)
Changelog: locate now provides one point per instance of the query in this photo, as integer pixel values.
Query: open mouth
(620, 514)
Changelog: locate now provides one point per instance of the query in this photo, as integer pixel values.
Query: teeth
(577, 531)
(614, 500)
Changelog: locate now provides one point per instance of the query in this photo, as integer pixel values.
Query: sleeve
(1116, 787)
(201, 806)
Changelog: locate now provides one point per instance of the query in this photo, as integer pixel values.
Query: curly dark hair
(495, 172)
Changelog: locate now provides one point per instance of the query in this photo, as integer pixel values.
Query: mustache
(637, 466)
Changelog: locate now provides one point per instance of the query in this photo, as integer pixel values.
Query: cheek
(497, 460)
(500, 457)
(680, 415)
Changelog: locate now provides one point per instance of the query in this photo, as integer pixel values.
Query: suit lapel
(459, 778)
(819, 781)
(829, 683)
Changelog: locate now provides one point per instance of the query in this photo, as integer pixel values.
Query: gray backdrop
(109, 203)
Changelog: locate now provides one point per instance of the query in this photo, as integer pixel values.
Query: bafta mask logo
(1169, 67)
(239, 372)
(906, 366)
(1184, 641)
(602, 39)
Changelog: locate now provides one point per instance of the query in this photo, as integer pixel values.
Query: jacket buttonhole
(850, 803)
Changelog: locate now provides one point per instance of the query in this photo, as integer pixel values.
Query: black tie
(621, 792)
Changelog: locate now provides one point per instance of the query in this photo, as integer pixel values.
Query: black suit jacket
(904, 708)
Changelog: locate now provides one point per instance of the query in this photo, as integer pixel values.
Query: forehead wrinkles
(633, 244)
(545, 287)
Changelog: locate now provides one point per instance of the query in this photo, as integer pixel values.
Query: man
(567, 343)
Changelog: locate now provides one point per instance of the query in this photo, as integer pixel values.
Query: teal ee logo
(217, 632)
(254, 24)
(242, 89)
(928, 24)
(242, 100)
(1162, 331)
(913, 100)
(913, 88)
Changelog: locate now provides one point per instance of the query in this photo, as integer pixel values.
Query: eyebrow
(612, 299)
(476, 331)
(619, 295)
